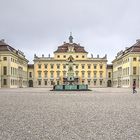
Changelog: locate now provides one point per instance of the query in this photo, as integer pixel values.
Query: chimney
(2, 40)
(98, 56)
(138, 40)
(42, 55)
(34, 55)
(126, 48)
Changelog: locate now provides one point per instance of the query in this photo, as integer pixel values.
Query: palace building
(70, 62)
(126, 67)
(13, 67)
(55, 70)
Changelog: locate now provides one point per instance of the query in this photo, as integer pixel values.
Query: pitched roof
(6, 47)
(64, 48)
(134, 48)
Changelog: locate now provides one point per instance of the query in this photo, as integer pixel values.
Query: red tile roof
(64, 48)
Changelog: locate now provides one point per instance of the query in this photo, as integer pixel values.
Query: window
(83, 81)
(4, 58)
(52, 83)
(51, 74)
(58, 66)
(64, 56)
(109, 75)
(128, 70)
(95, 66)
(95, 83)
(15, 71)
(4, 70)
(83, 66)
(30, 74)
(57, 82)
(4, 81)
(134, 59)
(76, 66)
(134, 70)
(64, 66)
(58, 74)
(39, 82)
(88, 66)
(45, 65)
(76, 73)
(58, 56)
(11, 82)
(45, 74)
(83, 56)
(51, 66)
(39, 74)
(101, 66)
(89, 82)
(101, 75)
(88, 74)
(45, 82)
(64, 73)
(39, 66)
(76, 56)
(95, 74)
(83, 74)
(11, 71)
(101, 82)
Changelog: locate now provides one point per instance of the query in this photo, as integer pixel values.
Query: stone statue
(70, 38)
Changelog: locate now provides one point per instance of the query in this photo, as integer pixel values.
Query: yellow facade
(126, 67)
(47, 71)
(53, 70)
(13, 67)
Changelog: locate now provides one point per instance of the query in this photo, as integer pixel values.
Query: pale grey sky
(39, 26)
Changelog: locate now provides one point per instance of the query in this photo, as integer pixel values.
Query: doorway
(30, 83)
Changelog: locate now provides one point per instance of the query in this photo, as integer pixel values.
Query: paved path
(40, 114)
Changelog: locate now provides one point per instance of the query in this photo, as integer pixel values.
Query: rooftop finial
(70, 38)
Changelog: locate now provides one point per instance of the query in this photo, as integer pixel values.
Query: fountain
(70, 82)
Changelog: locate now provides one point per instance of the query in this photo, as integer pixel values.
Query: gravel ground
(40, 114)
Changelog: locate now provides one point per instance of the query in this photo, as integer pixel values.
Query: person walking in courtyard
(134, 87)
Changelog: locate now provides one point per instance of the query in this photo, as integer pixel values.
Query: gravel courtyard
(40, 114)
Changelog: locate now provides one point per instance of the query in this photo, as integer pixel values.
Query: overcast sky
(39, 26)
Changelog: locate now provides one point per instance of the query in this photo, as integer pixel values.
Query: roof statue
(70, 38)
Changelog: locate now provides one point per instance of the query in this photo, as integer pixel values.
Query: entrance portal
(30, 83)
(109, 84)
